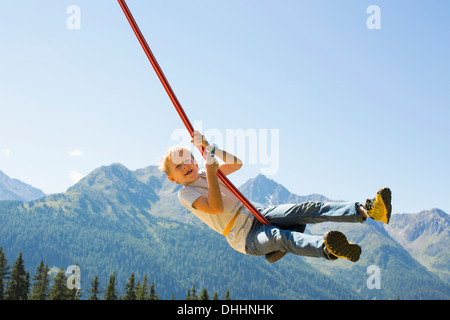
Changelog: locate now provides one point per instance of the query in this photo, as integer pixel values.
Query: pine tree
(111, 293)
(59, 290)
(215, 296)
(188, 295)
(95, 291)
(153, 295)
(75, 294)
(19, 282)
(194, 293)
(204, 295)
(227, 295)
(40, 288)
(142, 289)
(4, 273)
(27, 283)
(130, 292)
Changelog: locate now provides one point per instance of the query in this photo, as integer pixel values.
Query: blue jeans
(288, 221)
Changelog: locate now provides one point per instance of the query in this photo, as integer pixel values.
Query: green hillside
(174, 255)
(131, 222)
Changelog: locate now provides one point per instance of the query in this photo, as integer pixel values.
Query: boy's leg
(295, 216)
(277, 255)
(264, 239)
(289, 215)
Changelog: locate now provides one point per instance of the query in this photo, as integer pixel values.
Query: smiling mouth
(188, 173)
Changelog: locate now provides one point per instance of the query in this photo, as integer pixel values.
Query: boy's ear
(171, 179)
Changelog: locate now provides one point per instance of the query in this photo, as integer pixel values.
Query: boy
(205, 196)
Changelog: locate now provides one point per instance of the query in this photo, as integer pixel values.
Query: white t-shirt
(218, 222)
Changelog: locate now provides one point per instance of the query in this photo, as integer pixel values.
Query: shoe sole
(275, 256)
(337, 244)
(384, 196)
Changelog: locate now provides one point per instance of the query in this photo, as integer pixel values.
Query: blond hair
(175, 151)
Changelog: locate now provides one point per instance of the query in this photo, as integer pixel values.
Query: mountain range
(14, 189)
(116, 219)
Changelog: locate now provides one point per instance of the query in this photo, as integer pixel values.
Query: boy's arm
(212, 204)
(232, 163)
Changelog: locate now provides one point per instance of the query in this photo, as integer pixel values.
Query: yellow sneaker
(337, 244)
(380, 208)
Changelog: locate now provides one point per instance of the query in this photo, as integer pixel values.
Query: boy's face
(183, 168)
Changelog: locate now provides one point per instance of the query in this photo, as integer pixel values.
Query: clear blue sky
(356, 109)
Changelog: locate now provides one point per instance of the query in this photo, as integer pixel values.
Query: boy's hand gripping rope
(180, 110)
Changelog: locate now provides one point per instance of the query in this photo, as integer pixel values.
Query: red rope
(180, 110)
